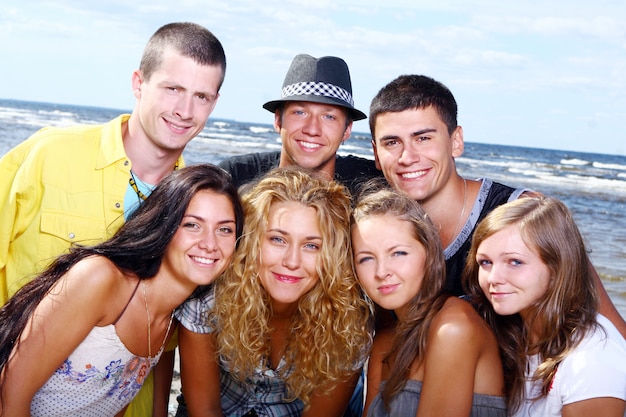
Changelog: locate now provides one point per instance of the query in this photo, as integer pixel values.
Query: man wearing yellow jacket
(75, 185)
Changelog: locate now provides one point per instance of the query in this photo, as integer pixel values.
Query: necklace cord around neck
(458, 222)
(145, 299)
(133, 184)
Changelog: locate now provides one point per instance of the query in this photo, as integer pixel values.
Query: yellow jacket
(62, 186)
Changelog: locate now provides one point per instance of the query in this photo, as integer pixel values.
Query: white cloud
(541, 63)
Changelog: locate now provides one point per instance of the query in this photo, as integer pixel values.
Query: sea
(592, 185)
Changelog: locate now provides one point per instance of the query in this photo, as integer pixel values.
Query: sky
(545, 74)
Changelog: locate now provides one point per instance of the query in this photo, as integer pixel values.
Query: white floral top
(98, 379)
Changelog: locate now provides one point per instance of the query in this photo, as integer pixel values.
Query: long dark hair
(137, 247)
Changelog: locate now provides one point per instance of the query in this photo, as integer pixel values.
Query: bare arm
(607, 308)
(450, 362)
(199, 373)
(335, 402)
(605, 407)
(61, 321)
(375, 374)
(162, 374)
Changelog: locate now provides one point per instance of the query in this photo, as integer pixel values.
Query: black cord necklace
(133, 183)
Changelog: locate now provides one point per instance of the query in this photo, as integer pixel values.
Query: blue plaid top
(264, 392)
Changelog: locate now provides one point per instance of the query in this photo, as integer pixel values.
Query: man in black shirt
(416, 138)
(314, 117)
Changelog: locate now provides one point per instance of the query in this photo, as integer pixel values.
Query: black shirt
(350, 170)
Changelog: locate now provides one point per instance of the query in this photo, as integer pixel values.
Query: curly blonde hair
(331, 331)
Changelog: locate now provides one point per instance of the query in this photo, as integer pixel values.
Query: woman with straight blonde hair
(439, 358)
(529, 275)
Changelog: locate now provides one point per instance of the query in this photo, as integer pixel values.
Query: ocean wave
(221, 125)
(259, 129)
(571, 181)
(575, 161)
(617, 167)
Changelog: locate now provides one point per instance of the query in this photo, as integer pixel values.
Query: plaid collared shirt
(194, 313)
(263, 393)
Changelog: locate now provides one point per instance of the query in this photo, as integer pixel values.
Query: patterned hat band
(317, 89)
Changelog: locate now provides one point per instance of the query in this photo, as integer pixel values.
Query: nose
(382, 271)
(408, 155)
(312, 126)
(291, 259)
(494, 275)
(208, 241)
(184, 108)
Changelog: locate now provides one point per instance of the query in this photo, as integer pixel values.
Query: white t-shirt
(595, 368)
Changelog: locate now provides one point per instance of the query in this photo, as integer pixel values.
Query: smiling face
(389, 261)
(203, 245)
(174, 104)
(311, 134)
(416, 152)
(289, 252)
(512, 275)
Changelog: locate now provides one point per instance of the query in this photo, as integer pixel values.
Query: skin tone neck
(416, 152)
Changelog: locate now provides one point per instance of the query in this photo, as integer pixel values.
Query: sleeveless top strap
(126, 306)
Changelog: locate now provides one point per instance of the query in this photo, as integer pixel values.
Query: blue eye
(364, 259)
(312, 246)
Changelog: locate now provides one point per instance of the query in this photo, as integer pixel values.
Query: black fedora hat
(319, 80)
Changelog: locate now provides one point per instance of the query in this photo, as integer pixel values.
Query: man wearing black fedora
(314, 117)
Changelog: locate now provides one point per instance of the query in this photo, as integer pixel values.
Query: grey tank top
(405, 403)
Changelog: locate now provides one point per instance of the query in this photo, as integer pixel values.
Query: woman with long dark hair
(81, 337)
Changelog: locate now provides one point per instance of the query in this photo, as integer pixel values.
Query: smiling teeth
(205, 261)
(416, 174)
(310, 145)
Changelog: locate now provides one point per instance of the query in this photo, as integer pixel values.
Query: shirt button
(118, 205)
(71, 235)
(125, 163)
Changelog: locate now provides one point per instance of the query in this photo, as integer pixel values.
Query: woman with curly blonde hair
(530, 277)
(290, 325)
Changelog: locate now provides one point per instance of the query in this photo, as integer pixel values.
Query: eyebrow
(284, 232)
(421, 132)
(198, 217)
(414, 134)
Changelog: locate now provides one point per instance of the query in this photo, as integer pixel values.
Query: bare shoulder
(93, 279)
(96, 272)
(457, 321)
(94, 286)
